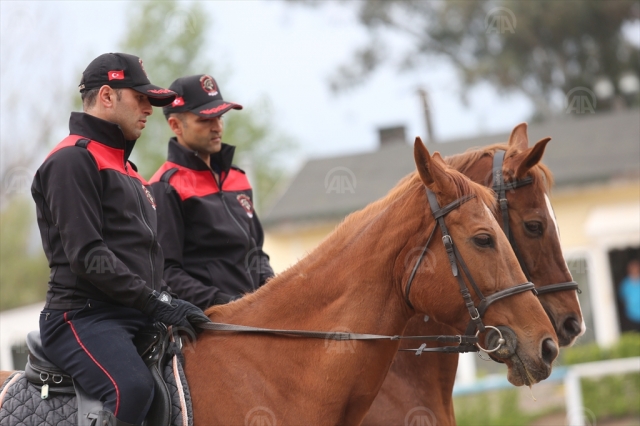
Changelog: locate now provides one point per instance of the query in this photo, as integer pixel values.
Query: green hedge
(612, 396)
(627, 346)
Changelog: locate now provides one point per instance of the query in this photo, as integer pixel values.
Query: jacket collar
(185, 157)
(99, 130)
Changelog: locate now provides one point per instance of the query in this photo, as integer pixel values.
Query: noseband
(455, 259)
(500, 188)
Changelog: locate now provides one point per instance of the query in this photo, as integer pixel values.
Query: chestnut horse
(427, 381)
(356, 281)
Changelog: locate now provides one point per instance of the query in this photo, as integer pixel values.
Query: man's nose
(147, 109)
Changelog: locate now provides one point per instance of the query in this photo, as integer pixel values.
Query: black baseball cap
(200, 95)
(121, 70)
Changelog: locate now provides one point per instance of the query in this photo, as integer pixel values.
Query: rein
(500, 188)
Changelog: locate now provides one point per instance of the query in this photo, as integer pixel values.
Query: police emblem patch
(246, 204)
(208, 85)
(149, 197)
(142, 66)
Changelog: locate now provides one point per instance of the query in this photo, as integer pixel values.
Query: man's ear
(175, 124)
(106, 96)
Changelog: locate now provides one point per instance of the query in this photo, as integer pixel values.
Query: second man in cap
(207, 226)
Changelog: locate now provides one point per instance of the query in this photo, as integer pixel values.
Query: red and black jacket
(209, 232)
(97, 219)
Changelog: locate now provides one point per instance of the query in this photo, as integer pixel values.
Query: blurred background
(334, 93)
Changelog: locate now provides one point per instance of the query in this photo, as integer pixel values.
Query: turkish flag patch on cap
(116, 75)
(178, 101)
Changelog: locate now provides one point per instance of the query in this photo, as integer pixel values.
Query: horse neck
(349, 282)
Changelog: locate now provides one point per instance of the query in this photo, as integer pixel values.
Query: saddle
(153, 346)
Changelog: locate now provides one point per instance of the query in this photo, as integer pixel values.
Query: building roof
(584, 149)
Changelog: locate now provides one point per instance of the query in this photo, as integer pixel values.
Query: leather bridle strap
(438, 213)
(500, 188)
(454, 256)
(571, 285)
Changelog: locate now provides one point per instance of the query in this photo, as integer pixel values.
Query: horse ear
(432, 169)
(532, 158)
(423, 162)
(519, 138)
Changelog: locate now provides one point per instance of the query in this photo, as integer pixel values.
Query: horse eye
(534, 227)
(483, 240)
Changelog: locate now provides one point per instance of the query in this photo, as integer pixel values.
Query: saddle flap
(40, 371)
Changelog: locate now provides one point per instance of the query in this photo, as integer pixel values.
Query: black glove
(176, 312)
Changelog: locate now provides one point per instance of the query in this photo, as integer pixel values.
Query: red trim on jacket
(200, 183)
(106, 157)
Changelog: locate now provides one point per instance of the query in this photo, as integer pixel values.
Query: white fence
(569, 375)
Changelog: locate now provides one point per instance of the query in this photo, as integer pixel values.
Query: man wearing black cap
(208, 229)
(97, 220)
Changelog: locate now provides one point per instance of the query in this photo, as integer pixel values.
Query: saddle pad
(21, 404)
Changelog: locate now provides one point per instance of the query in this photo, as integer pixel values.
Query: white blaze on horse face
(583, 326)
(552, 214)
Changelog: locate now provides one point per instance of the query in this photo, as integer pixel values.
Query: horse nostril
(549, 351)
(572, 327)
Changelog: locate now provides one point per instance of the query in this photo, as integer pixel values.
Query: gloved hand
(176, 312)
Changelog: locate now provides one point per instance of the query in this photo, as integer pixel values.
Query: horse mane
(409, 184)
(462, 162)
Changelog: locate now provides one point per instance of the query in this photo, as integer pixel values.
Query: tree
(170, 39)
(540, 48)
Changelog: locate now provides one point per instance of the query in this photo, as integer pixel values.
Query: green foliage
(169, 36)
(612, 396)
(627, 346)
(499, 408)
(539, 48)
(23, 275)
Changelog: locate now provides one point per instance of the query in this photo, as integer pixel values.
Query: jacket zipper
(224, 203)
(144, 220)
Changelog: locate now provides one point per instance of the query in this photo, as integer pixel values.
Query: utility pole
(424, 98)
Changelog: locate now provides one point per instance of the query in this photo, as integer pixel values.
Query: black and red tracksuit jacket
(209, 232)
(97, 219)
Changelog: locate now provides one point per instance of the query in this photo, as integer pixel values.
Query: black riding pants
(94, 345)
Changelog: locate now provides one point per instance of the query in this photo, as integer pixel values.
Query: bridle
(466, 343)
(500, 187)
(455, 259)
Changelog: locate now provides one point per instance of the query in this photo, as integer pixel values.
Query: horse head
(481, 244)
(535, 229)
